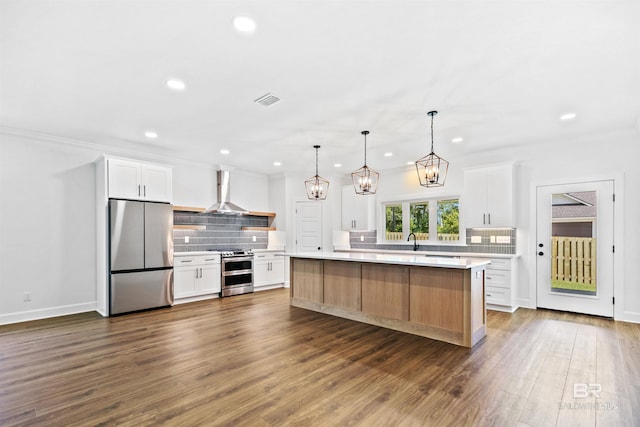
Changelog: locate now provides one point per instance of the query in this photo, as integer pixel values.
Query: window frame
(433, 222)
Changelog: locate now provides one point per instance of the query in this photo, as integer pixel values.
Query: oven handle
(235, 259)
(236, 272)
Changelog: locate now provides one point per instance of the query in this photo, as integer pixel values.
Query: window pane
(393, 227)
(448, 220)
(419, 219)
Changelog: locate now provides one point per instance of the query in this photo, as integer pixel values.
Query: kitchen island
(439, 298)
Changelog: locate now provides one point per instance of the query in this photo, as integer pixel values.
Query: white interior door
(308, 226)
(575, 247)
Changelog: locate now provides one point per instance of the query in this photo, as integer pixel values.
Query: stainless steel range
(237, 272)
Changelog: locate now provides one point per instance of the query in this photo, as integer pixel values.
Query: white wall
(611, 156)
(47, 219)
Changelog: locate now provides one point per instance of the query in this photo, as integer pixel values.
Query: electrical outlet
(26, 297)
(492, 239)
(254, 238)
(186, 239)
(362, 238)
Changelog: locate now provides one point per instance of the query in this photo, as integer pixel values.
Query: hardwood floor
(253, 360)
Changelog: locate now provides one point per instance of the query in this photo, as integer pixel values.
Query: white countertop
(398, 259)
(432, 253)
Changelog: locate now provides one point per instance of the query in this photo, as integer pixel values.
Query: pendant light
(432, 169)
(365, 179)
(317, 187)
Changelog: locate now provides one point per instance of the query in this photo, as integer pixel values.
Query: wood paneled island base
(438, 302)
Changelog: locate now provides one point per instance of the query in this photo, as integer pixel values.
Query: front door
(308, 226)
(575, 247)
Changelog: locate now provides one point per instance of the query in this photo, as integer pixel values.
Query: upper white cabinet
(128, 179)
(358, 211)
(488, 197)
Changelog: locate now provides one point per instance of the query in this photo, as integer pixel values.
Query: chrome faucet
(415, 244)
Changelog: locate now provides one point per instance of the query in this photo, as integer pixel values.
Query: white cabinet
(500, 284)
(196, 276)
(129, 179)
(268, 269)
(488, 197)
(358, 211)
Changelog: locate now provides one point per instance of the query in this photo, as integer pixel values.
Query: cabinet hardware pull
(138, 189)
(489, 215)
(186, 260)
(488, 277)
(488, 295)
(145, 190)
(484, 218)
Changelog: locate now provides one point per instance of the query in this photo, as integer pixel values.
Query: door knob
(540, 253)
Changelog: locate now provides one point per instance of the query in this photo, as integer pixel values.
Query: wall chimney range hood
(224, 204)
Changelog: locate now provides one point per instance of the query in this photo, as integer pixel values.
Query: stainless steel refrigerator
(141, 255)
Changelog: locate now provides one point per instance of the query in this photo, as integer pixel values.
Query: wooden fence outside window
(573, 259)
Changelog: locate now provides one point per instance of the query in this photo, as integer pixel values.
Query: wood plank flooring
(252, 360)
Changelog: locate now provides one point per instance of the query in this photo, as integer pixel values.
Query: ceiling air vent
(267, 100)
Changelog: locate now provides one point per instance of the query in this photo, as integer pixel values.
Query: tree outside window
(419, 220)
(441, 217)
(448, 220)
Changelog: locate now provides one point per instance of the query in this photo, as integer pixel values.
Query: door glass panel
(573, 243)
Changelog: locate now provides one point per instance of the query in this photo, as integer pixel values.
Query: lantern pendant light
(365, 179)
(432, 169)
(317, 187)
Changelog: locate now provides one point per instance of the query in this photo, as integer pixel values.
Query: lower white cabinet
(196, 276)
(268, 269)
(500, 284)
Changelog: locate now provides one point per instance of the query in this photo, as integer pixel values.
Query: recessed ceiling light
(388, 154)
(244, 24)
(568, 116)
(176, 84)
(457, 140)
(337, 165)
(151, 134)
(277, 164)
(224, 151)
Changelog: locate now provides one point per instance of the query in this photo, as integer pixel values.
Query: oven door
(232, 265)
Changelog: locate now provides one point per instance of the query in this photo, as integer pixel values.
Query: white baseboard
(630, 316)
(196, 298)
(266, 288)
(44, 313)
(505, 309)
(525, 303)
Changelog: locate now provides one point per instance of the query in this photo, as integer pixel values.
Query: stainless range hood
(224, 204)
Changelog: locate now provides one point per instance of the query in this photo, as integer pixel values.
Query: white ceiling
(500, 73)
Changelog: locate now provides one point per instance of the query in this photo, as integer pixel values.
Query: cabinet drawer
(500, 264)
(499, 296)
(184, 261)
(207, 259)
(499, 278)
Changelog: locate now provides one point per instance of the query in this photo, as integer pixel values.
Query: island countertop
(397, 259)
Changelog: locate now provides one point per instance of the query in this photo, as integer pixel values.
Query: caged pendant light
(317, 187)
(432, 169)
(365, 179)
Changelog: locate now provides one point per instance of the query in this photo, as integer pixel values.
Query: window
(436, 220)
(419, 219)
(393, 218)
(448, 220)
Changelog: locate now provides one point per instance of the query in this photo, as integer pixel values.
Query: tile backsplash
(222, 231)
(490, 241)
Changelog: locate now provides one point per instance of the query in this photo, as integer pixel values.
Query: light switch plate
(492, 239)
